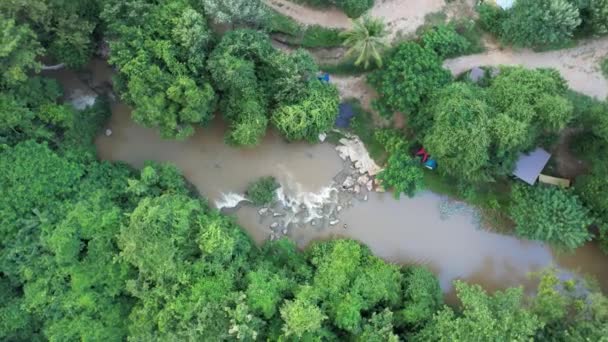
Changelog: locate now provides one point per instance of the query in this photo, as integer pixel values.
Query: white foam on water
(81, 100)
(297, 202)
(230, 200)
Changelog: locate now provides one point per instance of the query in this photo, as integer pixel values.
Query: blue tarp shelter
(345, 113)
(530, 165)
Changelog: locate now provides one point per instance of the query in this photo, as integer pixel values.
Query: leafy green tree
(160, 236)
(459, 137)
(19, 53)
(267, 287)
(65, 29)
(499, 317)
(598, 20)
(379, 328)
(550, 214)
(236, 11)
(541, 22)
(160, 51)
(445, 41)
(308, 118)
(410, 76)
(301, 318)
(402, 173)
(366, 40)
(422, 297)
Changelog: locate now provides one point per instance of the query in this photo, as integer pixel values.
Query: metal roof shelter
(530, 165)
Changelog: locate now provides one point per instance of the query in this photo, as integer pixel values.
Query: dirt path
(402, 17)
(578, 65)
(330, 17)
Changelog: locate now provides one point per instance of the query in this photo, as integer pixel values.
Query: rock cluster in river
(352, 184)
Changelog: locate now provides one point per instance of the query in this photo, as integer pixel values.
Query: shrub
(445, 41)
(491, 18)
(354, 8)
(262, 191)
(541, 23)
(550, 214)
(307, 118)
(411, 74)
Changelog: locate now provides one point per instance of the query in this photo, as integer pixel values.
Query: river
(406, 231)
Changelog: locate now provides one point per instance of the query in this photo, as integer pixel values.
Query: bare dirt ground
(578, 65)
(402, 17)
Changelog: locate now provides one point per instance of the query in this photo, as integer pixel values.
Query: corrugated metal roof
(530, 165)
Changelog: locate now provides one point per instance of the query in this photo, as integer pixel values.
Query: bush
(313, 115)
(550, 214)
(262, 191)
(491, 18)
(410, 75)
(541, 23)
(445, 41)
(354, 8)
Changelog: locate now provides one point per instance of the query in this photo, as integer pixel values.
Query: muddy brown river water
(406, 231)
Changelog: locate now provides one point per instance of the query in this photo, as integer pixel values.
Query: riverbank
(406, 231)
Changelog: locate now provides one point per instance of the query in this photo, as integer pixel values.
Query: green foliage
(499, 317)
(301, 317)
(402, 173)
(550, 214)
(491, 18)
(459, 138)
(598, 17)
(262, 191)
(410, 76)
(236, 11)
(366, 40)
(604, 66)
(19, 52)
(257, 79)
(160, 52)
(541, 22)
(352, 8)
(313, 115)
(422, 297)
(316, 36)
(64, 28)
(445, 41)
(477, 133)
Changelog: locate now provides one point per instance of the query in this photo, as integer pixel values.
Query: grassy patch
(317, 36)
(314, 36)
(279, 23)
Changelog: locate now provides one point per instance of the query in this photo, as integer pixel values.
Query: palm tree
(366, 39)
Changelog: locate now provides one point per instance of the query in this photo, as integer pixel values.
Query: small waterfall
(230, 200)
(302, 206)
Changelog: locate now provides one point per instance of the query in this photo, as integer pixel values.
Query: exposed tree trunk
(53, 67)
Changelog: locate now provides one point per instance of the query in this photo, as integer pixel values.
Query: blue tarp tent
(346, 112)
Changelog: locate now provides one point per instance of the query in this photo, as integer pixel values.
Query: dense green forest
(98, 251)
